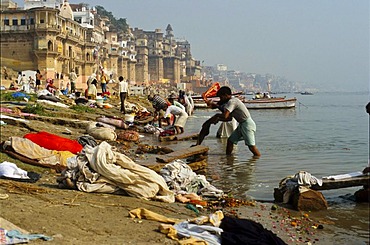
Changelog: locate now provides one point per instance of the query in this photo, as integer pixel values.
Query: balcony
(48, 27)
(20, 28)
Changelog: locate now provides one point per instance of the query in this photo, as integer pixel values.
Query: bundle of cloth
(100, 169)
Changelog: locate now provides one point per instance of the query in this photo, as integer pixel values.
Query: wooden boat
(200, 104)
(271, 103)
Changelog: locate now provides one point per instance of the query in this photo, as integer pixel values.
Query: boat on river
(271, 103)
(306, 93)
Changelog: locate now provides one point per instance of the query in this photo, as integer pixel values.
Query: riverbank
(74, 217)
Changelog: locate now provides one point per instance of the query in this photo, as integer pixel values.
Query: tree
(119, 25)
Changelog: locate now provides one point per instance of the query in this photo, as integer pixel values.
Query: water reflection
(232, 174)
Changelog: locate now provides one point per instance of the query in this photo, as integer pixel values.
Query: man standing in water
(234, 108)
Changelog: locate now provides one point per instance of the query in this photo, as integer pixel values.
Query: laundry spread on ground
(54, 142)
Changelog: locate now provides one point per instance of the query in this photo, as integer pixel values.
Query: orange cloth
(54, 142)
(212, 91)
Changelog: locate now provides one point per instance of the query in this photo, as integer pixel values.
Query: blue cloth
(65, 91)
(20, 95)
(19, 235)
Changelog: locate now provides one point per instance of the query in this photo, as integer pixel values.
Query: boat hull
(271, 103)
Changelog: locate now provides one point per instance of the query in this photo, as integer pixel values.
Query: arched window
(87, 57)
(50, 46)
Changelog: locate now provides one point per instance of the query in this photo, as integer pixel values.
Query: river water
(326, 134)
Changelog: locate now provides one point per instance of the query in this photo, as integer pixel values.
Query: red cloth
(212, 91)
(54, 142)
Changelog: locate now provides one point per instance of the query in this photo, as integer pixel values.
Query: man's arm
(224, 117)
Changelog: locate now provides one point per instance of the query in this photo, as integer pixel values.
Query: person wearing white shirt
(24, 83)
(123, 90)
(181, 117)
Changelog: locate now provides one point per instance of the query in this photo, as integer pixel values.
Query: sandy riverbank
(74, 217)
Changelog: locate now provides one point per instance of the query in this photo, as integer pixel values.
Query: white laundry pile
(301, 180)
(100, 169)
(180, 177)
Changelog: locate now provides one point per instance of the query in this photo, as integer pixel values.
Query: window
(23, 22)
(42, 21)
(15, 22)
(32, 21)
(6, 22)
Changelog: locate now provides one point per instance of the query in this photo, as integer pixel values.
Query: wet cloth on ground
(180, 177)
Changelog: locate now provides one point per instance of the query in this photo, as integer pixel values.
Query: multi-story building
(57, 37)
(45, 38)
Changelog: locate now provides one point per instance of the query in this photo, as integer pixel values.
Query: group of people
(230, 108)
(34, 84)
(174, 111)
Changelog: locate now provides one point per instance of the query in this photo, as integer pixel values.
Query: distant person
(160, 105)
(234, 108)
(92, 91)
(72, 80)
(5, 72)
(184, 100)
(65, 91)
(19, 78)
(103, 82)
(51, 87)
(31, 84)
(13, 85)
(123, 92)
(172, 100)
(181, 117)
(191, 101)
(38, 79)
(24, 84)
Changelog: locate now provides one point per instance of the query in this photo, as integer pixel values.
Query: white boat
(270, 103)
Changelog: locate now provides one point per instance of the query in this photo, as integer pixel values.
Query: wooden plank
(328, 184)
(184, 136)
(191, 151)
(166, 138)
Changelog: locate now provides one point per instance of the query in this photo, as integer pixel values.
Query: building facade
(56, 38)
